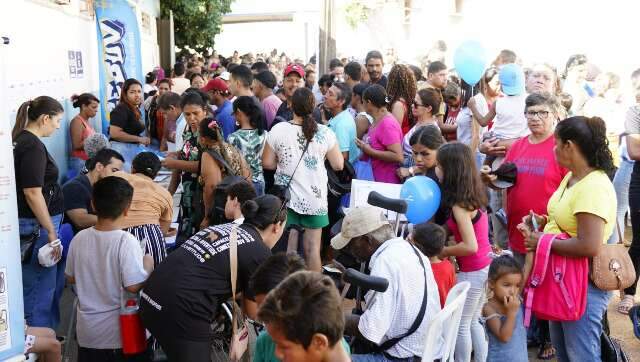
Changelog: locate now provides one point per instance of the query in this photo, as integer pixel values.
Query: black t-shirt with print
(34, 167)
(122, 116)
(183, 293)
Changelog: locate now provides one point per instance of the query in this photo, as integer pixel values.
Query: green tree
(196, 22)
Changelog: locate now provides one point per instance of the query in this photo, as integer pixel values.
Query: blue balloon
(470, 60)
(423, 198)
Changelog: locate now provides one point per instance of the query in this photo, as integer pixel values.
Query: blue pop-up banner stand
(119, 51)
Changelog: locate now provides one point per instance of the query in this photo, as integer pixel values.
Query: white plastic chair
(442, 332)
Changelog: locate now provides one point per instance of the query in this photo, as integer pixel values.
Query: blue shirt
(224, 116)
(344, 126)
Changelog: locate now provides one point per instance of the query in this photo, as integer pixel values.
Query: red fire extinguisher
(133, 335)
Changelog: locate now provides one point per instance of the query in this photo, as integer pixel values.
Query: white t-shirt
(103, 263)
(510, 122)
(391, 314)
(406, 144)
(309, 186)
(181, 123)
(180, 85)
(464, 120)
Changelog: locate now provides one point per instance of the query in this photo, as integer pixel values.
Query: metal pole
(327, 37)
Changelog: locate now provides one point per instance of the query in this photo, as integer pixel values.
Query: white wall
(37, 63)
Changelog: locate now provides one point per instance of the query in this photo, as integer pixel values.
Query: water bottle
(133, 335)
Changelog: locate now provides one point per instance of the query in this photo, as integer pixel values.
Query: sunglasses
(417, 105)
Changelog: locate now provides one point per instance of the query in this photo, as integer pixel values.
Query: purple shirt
(270, 106)
(384, 134)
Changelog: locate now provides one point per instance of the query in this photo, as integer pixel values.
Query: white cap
(359, 221)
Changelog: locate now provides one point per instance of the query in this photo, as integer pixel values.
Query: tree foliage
(196, 22)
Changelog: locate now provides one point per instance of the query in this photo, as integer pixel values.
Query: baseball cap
(225, 75)
(512, 79)
(293, 67)
(359, 221)
(215, 84)
(267, 78)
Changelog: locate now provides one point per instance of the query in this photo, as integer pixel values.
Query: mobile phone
(534, 223)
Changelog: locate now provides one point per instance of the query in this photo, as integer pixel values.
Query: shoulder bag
(239, 336)
(282, 191)
(612, 268)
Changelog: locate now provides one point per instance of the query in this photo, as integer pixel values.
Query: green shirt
(266, 348)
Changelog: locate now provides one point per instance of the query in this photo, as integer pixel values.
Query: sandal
(625, 304)
(546, 351)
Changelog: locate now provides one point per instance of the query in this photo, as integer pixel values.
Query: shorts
(307, 221)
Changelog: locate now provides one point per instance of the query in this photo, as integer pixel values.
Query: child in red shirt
(430, 239)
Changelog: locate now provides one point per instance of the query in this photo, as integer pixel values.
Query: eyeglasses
(539, 114)
(416, 105)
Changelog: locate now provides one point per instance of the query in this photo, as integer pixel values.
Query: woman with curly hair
(402, 89)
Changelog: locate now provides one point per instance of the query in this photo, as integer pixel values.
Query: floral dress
(190, 152)
(309, 184)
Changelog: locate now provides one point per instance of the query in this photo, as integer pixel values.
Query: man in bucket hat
(368, 236)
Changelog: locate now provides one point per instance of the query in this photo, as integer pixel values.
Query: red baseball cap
(215, 84)
(293, 67)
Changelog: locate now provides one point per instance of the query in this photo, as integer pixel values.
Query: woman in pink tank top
(464, 193)
(81, 128)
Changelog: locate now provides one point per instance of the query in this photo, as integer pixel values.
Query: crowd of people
(254, 145)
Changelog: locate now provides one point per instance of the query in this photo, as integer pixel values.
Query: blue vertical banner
(119, 46)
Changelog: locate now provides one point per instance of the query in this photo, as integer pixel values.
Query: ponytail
(590, 135)
(602, 157)
(302, 104)
(31, 110)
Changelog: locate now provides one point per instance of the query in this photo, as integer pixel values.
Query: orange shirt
(151, 202)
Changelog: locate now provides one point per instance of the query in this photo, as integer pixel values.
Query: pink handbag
(557, 287)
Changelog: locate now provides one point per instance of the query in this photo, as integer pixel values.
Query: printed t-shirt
(594, 194)
(309, 185)
(387, 132)
(183, 293)
(537, 170)
(251, 144)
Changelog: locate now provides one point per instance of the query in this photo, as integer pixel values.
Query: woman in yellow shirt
(583, 206)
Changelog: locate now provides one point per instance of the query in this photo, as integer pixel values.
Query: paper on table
(360, 190)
